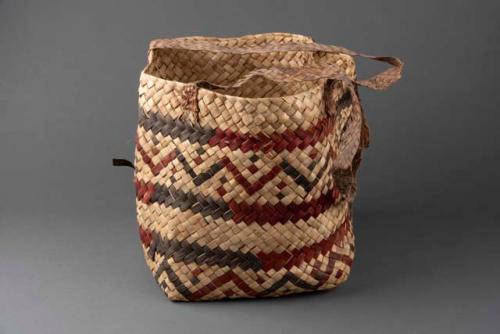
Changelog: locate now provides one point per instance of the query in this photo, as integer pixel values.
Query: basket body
(245, 190)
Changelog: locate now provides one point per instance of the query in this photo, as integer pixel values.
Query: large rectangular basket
(246, 155)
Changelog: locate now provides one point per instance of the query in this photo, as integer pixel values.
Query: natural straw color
(247, 150)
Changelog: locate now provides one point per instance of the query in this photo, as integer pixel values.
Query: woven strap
(380, 81)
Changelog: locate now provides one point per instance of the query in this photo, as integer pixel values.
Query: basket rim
(199, 42)
(303, 43)
(210, 44)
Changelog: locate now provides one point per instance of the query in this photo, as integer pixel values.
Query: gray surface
(426, 215)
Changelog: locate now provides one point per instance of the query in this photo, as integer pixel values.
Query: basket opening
(177, 60)
(224, 69)
(220, 68)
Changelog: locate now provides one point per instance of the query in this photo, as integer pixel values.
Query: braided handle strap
(380, 81)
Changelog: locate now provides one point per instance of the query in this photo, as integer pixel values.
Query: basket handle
(380, 81)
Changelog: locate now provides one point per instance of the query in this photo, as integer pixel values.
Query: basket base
(198, 279)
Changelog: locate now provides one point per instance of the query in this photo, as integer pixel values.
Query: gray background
(426, 217)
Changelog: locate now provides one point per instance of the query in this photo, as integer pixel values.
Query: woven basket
(246, 155)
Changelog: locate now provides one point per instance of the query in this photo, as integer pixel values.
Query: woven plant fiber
(245, 163)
